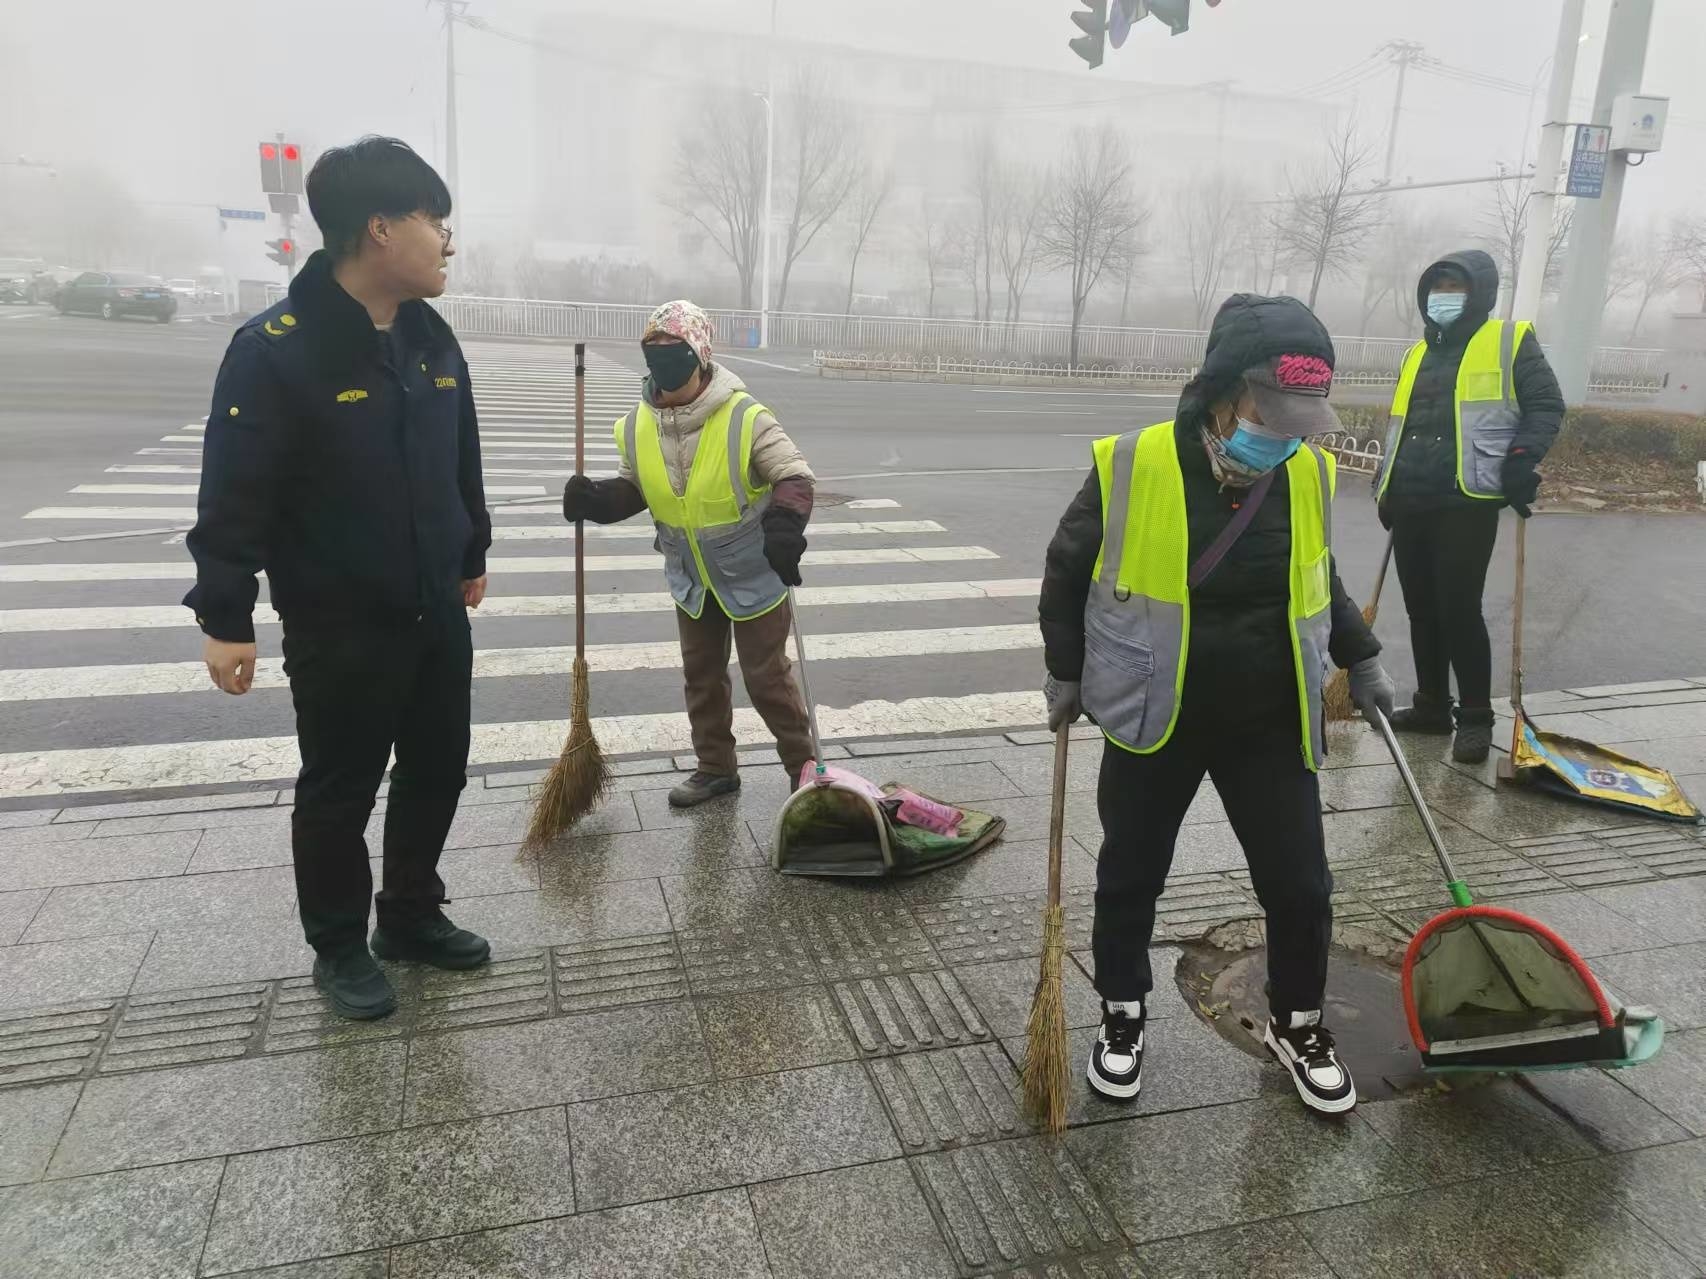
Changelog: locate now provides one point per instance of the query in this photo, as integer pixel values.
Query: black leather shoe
(353, 984)
(430, 939)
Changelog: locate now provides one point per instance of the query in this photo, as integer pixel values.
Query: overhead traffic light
(291, 162)
(281, 168)
(1175, 13)
(283, 252)
(1121, 18)
(272, 169)
(1094, 25)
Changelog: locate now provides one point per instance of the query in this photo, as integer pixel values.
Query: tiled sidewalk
(682, 1064)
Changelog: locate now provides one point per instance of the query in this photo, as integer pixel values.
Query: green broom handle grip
(805, 682)
(1459, 891)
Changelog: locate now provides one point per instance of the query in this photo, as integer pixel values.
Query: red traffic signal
(287, 246)
(283, 252)
(268, 151)
(292, 151)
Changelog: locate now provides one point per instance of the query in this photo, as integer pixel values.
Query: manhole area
(1365, 1011)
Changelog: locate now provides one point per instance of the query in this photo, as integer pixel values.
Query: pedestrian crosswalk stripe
(161, 490)
(18, 621)
(642, 561)
(158, 678)
(255, 759)
(827, 528)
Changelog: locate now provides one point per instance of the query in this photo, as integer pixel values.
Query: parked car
(182, 288)
(15, 276)
(115, 294)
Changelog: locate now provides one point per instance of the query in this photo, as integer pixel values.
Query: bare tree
(823, 162)
(1659, 269)
(718, 182)
(1019, 220)
(1093, 218)
(870, 193)
(986, 192)
(1324, 221)
(1688, 243)
(1206, 216)
(1505, 223)
(936, 247)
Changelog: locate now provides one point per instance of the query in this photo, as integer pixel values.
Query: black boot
(701, 787)
(1474, 735)
(353, 984)
(429, 939)
(1425, 714)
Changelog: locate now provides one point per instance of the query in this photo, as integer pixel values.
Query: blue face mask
(1444, 308)
(1258, 452)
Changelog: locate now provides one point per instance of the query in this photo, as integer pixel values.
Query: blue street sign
(1588, 155)
(243, 215)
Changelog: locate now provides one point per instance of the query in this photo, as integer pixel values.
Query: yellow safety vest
(1137, 622)
(1487, 413)
(711, 535)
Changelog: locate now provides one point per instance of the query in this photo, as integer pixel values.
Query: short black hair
(371, 177)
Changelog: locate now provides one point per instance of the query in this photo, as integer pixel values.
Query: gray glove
(1064, 702)
(1372, 688)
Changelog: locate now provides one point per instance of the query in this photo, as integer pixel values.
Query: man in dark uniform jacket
(343, 458)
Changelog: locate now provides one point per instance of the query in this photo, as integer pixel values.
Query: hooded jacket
(1424, 478)
(344, 462)
(1240, 666)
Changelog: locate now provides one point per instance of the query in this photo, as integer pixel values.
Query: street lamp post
(769, 97)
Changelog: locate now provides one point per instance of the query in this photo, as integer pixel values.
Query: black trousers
(1274, 804)
(1442, 558)
(363, 689)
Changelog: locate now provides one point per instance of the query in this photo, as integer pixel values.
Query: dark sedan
(112, 294)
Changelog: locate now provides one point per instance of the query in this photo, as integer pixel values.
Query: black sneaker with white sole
(1115, 1069)
(1305, 1048)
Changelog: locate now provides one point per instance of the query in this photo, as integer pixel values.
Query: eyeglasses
(444, 232)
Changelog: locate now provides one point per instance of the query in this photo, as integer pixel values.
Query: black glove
(580, 499)
(784, 542)
(1520, 481)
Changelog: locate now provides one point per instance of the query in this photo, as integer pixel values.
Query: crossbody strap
(1210, 559)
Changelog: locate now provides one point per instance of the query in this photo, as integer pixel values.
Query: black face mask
(672, 364)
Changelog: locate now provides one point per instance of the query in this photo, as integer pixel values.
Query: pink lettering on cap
(1303, 373)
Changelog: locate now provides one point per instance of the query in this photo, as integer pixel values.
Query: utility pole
(769, 181)
(452, 10)
(1523, 297)
(1401, 53)
(1582, 303)
(288, 217)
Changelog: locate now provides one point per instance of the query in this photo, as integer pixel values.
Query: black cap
(1282, 351)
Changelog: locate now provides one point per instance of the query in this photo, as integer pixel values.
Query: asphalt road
(924, 609)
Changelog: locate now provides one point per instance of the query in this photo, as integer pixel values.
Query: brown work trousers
(764, 668)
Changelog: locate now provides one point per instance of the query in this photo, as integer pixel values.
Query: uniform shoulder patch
(352, 395)
(445, 383)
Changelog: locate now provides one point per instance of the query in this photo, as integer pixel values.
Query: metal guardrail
(1024, 347)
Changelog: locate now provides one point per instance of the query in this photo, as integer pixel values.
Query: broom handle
(805, 682)
(1057, 813)
(1516, 614)
(1459, 890)
(1380, 579)
(580, 525)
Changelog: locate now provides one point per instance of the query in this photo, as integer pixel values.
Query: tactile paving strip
(1015, 1203)
(178, 1028)
(970, 930)
(952, 1097)
(513, 989)
(60, 1042)
(611, 974)
(907, 1013)
(761, 957)
(1105, 1265)
(877, 943)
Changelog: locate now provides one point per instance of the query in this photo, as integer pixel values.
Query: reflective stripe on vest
(1487, 415)
(1137, 621)
(711, 533)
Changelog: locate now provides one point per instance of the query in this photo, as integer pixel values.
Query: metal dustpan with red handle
(1490, 989)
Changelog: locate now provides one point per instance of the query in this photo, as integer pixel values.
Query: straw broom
(1336, 704)
(581, 775)
(1045, 1072)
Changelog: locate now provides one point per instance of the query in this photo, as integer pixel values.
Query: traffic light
(283, 252)
(1175, 13)
(291, 157)
(1124, 15)
(272, 169)
(1094, 25)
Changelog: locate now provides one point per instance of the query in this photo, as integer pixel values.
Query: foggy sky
(171, 98)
